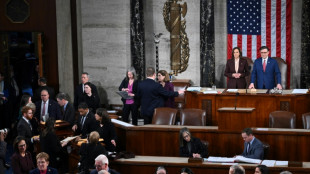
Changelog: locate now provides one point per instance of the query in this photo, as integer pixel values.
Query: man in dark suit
(86, 122)
(42, 82)
(67, 110)
(24, 128)
(79, 90)
(47, 106)
(253, 148)
(102, 163)
(152, 95)
(264, 71)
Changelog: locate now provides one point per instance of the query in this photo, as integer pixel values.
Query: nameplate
(195, 160)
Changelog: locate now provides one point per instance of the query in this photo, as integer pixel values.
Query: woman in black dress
(106, 129)
(91, 99)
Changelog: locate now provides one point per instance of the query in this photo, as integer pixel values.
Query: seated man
(102, 163)
(253, 148)
(236, 169)
(86, 122)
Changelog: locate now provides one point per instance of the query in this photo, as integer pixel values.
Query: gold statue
(178, 38)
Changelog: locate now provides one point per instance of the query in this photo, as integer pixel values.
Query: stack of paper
(194, 88)
(232, 160)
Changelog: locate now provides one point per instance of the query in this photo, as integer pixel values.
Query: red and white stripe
(275, 33)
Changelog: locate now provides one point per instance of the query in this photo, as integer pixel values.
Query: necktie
(82, 121)
(264, 65)
(248, 148)
(43, 110)
(30, 125)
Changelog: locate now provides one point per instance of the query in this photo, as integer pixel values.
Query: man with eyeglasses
(47, 107)
(265, 69)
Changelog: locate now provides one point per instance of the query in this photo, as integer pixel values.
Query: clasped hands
(196, 155)
(236, 75)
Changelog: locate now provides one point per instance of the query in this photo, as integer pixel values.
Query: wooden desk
(263, 104)
(162, 140)
(230, 118)
(148, 164)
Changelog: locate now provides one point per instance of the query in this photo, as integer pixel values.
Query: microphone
(236, 100)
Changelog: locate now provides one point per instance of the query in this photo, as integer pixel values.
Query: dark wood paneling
(42, 19)
(263, 104)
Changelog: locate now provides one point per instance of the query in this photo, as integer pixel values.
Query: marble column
(137, 41)
(207, 56)
(305, 46)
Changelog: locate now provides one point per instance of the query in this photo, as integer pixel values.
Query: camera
(5, 130)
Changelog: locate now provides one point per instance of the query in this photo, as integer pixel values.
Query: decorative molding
(284, 105)
(17, 11)
(207, 43)
(137, 38)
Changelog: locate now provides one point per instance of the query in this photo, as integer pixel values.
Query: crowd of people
(93, 122)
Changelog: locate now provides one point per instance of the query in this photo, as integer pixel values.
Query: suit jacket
(196, 147)
(110, 171)
(124, 84)
(22, 165)
(50, 170)
(50, 144)
(243, 69)
(78, 93)
(152, 95)
(266, 78)
(37, 93)
(256, 150)
(53, 109)
(90, 124)
(89, 152)
(24, 129)
(69, 114)
(2, 156)
(107, 132)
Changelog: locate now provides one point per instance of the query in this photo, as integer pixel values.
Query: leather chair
(283, 69)
(164, 116)
(282, 119)
(306, 120)
(250, 66)
(193, 117)
(180, 85)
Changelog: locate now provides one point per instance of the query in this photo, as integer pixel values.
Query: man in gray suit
(253, 148)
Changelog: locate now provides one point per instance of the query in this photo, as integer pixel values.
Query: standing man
(42, 82)
(47, 106)
(79, 90)
(102, 163)
(86, 122)
(152, 95)
(265, 69)
(253, 148)
(67, 109)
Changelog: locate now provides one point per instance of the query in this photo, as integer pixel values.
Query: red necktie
(264, 65)
(43, 110)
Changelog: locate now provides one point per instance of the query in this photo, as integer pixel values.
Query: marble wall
(105, 28)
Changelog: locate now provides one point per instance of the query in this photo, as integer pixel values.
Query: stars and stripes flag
(255, 23)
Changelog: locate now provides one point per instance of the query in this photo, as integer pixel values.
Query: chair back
(306, 120)
(193, 117)
(180, 85)
(250, 66)
(283, 69)
(164, 116)
(282, 119)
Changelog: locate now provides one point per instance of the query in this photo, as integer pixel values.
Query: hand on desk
(196, 155)
(279, 86)
(251, 86)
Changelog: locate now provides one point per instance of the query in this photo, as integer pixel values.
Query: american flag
(255, 23)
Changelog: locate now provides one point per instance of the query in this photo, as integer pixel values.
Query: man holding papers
(253, 148)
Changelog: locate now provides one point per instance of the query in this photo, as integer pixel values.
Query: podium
(230, 118)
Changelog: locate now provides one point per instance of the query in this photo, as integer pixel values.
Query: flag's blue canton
(244, 17)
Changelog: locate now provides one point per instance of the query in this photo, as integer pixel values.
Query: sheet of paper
(232, 90)
(210, 92)
(194, 88)
(248, 160)
(112, 111)
(68, 139)
(220, 159)
(121, 123)
(300, 91)
(269, 163)
(281, 163)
